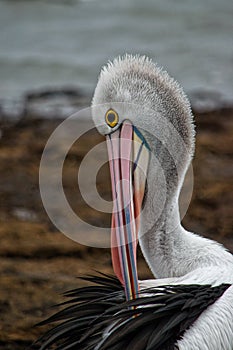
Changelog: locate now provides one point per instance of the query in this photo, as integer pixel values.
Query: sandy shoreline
(37, 263)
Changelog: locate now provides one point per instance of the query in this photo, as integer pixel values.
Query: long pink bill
(128, 158)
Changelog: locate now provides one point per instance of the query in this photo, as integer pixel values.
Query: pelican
(148, 124)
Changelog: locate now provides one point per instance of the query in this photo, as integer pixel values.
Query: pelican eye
(111, 118)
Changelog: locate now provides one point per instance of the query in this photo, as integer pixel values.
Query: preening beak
(128, 158)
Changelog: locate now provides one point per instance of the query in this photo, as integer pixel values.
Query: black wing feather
(98, 317)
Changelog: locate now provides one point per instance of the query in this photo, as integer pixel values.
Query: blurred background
(51, 53)
(49, 43)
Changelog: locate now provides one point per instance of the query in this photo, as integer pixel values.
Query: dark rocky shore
(37, 263)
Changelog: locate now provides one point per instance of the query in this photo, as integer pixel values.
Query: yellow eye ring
(111, 118)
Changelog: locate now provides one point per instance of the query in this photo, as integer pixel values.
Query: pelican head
(148, 123)
(139, 82)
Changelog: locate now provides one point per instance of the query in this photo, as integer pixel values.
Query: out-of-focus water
(63, 42)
